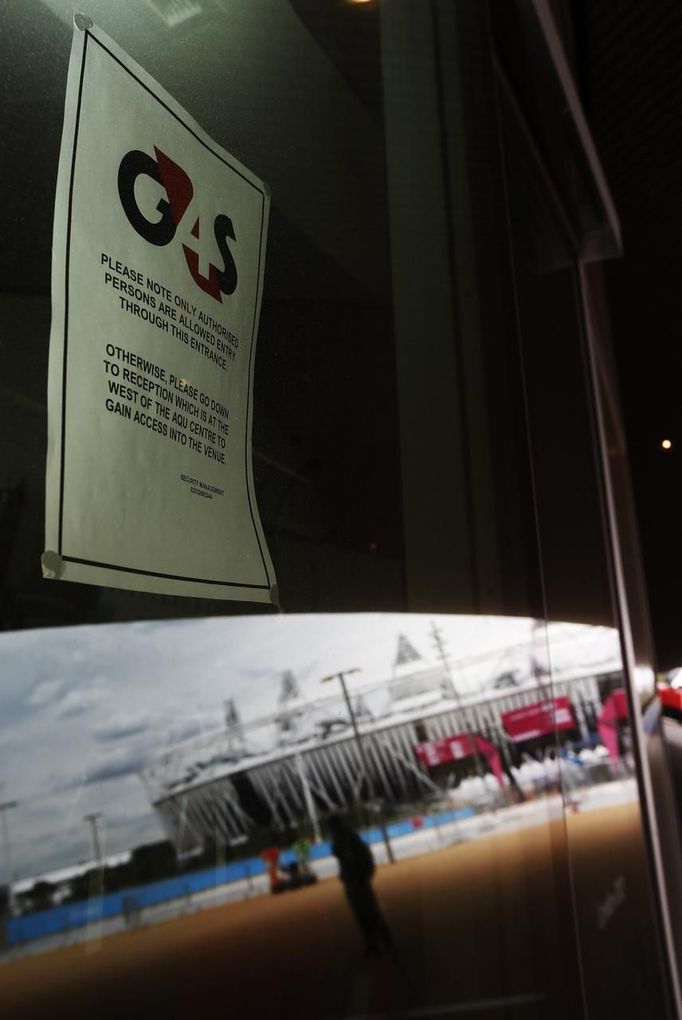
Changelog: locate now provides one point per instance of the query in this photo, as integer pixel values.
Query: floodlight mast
(341, 677)
(6, 806)
(92, 820)
(441, 649)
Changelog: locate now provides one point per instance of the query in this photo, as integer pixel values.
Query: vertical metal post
(6, 852)
(308, 797)
(341, 677)
(442, 655)
(96, 848)
(96, 882)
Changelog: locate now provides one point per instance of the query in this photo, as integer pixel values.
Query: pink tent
(615, 708)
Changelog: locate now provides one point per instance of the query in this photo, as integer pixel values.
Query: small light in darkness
(666, 444)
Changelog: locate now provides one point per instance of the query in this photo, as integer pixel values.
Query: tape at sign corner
(52, 564)
(82, 22)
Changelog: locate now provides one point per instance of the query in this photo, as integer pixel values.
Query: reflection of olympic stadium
(302, 761)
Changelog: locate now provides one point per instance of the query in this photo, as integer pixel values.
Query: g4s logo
(179, 191)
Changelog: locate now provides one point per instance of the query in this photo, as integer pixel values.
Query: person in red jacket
(271, 857)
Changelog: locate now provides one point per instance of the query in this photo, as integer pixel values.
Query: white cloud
(45, 692)
(121, 762)
(78, 701)
(122, 727)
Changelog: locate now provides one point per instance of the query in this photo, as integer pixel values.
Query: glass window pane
(413, 791)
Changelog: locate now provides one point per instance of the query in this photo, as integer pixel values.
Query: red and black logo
(179, 191)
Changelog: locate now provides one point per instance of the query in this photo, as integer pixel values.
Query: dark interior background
(630, 75)
(326, 448)
(326, 459)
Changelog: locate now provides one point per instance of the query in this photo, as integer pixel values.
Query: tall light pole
(96, 880)
(6, 851)
(92, 820)
(341, 677)
(441, 648)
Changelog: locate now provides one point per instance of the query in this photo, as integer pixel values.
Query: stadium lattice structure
(286, 770)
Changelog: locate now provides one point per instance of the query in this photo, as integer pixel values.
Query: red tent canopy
(457, 747)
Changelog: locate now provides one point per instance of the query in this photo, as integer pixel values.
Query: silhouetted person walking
(356, 868)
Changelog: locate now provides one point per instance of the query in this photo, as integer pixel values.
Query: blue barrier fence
(43, 923)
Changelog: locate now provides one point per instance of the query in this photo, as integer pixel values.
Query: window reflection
(184, 773)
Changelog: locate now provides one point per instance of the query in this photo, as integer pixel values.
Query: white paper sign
(158, 257)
